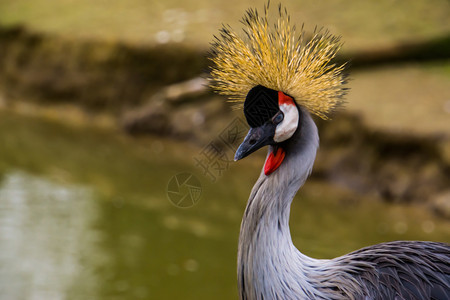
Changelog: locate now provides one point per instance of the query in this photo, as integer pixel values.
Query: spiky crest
(277, 58)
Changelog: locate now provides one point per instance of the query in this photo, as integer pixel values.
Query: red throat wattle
(274, 160)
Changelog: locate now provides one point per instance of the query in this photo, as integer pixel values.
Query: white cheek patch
(289, 124)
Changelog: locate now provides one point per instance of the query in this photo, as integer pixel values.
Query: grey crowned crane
(280, 79)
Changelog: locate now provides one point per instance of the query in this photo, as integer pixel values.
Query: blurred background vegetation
(103, 102)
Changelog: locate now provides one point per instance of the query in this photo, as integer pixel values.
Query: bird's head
(266, 68)
(273, 117)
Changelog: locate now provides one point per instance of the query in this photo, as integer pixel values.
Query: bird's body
(280, 80)
(271, 267)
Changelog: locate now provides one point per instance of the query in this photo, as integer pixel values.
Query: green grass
(363, 24)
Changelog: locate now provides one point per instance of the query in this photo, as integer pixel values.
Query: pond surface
(85, 214)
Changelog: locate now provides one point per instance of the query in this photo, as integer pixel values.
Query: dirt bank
(98, 75)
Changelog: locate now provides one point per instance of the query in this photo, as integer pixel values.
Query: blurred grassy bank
(362, 24)
(114, 54)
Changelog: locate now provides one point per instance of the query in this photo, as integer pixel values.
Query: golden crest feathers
(277, 58)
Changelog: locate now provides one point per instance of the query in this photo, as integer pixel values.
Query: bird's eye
(278, 118)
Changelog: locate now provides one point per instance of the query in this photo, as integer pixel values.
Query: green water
(84, 214)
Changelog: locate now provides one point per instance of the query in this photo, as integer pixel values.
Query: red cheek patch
(274, 161)
(284, 99)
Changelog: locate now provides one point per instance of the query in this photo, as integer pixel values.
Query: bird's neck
(268, 262)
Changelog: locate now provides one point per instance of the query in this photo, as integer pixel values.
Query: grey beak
(256, 138)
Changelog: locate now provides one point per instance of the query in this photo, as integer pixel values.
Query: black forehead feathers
(260, 105)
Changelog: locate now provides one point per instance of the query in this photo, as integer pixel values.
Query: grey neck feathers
(269, 265)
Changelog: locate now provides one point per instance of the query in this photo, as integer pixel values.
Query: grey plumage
(403, 269)
(270, 267)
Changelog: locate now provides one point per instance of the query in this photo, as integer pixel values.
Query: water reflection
(69, 242)
(46, 239)
(96, 222)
